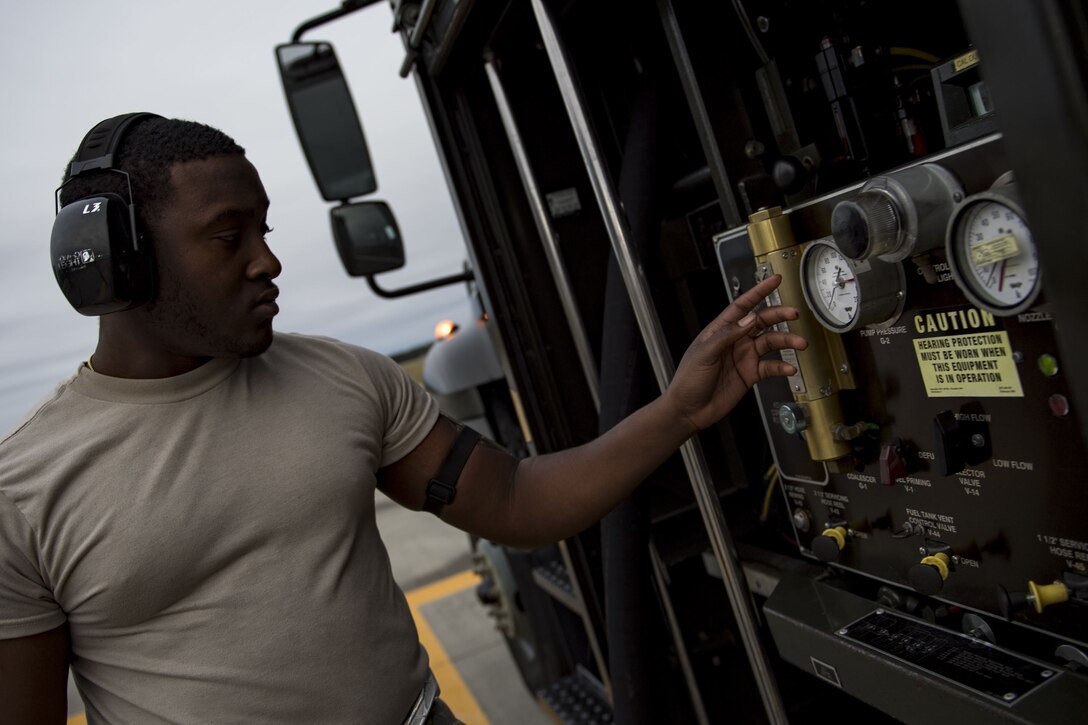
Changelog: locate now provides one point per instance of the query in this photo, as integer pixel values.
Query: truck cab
(894, 533)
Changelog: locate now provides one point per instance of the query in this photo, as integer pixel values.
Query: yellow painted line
(443, 588)
(455, 692)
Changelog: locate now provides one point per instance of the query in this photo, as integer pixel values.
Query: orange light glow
(445, 329)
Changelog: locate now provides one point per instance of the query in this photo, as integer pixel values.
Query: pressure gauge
(847, 293)
(991, 252)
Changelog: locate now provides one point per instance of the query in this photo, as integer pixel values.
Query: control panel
(929, 439)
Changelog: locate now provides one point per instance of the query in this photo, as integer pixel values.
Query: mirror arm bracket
(346, 8)
(466, 276)
(416, 37)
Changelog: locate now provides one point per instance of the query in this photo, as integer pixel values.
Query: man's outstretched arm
(549, 497)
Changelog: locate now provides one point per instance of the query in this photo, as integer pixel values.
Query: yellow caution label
(995, 250)
(966, 60)
(977, 365)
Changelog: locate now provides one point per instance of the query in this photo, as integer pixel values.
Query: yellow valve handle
(1043, 595)
(837, 533)
(938, 561)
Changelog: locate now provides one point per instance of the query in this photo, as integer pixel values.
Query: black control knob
(829, 544)
(1010, 602)
(789, 174)
(928, 575)
(865, 226)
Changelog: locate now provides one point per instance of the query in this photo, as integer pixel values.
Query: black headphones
(97, 256)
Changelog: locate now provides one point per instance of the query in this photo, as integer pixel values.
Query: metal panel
(1033, 60)
(805, 617)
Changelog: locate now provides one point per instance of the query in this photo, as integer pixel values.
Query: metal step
(577, 699)
(553, 579)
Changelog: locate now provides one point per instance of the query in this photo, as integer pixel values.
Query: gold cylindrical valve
(822, 366)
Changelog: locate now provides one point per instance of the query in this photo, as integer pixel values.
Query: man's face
(215, 296)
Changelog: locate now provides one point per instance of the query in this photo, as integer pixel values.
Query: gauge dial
(832, 285)
(846, 293)
(992, 253)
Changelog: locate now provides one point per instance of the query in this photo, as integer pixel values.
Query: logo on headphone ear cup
(96, 258)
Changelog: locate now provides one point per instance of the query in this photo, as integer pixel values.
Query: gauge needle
(835, 284)
(1001, 279)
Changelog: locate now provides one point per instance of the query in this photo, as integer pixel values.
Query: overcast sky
(65, 65)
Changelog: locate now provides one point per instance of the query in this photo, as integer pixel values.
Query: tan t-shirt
(210, 538)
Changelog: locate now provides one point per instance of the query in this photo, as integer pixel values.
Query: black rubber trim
(443, 488)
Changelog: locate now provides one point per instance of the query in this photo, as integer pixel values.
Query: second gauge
(846, 293)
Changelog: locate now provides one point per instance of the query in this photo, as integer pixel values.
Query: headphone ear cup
(96, 258)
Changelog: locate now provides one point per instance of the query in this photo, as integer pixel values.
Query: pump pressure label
(962, 354)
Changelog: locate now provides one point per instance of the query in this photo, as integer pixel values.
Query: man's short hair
(147, 151)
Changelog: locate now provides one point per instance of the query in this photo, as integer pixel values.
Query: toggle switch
(892, 464)
(959, 443)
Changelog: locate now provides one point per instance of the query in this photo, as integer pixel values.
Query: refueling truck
(896, 533)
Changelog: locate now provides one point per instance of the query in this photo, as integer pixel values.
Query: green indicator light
(1048, 365)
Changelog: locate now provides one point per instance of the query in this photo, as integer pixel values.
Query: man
(188, 521)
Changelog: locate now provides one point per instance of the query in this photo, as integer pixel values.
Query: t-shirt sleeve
(409, 410)
(27, 605)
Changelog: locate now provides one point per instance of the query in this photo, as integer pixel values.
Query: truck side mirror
(325, 120)
(367, 238)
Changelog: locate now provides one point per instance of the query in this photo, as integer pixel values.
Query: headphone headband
(101, 142)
